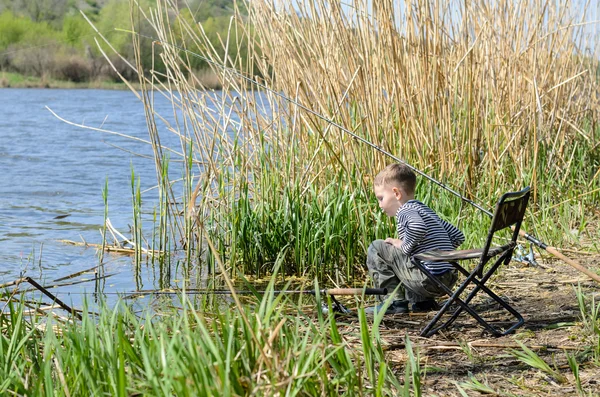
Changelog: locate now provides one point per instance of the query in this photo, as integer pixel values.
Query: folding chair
(510, 211)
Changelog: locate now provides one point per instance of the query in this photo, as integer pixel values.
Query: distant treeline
(51, 39)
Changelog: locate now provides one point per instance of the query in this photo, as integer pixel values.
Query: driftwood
(111, 248)
(108, 248)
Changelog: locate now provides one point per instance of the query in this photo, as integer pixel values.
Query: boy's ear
(397, 193)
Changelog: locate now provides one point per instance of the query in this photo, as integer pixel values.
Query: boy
(419, 229)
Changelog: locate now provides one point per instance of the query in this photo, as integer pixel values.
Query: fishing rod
(336, 306)
(329, 291)
(528, 237)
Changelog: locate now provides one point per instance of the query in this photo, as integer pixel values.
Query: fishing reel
(520, 256)
(336, 307)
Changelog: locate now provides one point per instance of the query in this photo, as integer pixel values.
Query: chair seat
(457, 255)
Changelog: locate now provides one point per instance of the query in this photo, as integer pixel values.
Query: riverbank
(203, 78)
(16, 80)
(277, 345)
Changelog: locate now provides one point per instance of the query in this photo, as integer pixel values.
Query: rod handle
(356, 291)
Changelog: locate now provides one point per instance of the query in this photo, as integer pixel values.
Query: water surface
(51, 169)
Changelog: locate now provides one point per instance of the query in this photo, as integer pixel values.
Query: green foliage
(116, 15)
(40, 10)
(412, 372)
(76, 31)
(474, 384)
(574, 365)
(211, 348)
(12, 29)
(530, 358)
(93, 8)
(71, 52)
(21, 31)
(590, 312)
(590, 319)
(203, 10)
(220, 33)
(321, 231)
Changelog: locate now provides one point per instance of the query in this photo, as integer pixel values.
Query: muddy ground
(545, 296)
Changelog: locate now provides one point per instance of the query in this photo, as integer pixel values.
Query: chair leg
(480, 284)
(464, 304)
(454, 297)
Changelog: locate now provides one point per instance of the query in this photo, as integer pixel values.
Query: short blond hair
(399, 174)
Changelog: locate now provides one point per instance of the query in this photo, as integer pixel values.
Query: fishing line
(314, 113)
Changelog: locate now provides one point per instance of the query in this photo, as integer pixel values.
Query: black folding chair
(510, 211)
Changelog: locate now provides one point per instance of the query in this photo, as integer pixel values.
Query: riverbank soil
(15, 80)
(546, 297)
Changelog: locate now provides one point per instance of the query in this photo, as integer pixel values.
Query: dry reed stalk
(202, 119)
(440, 345)
(459, 90)
(476, 82)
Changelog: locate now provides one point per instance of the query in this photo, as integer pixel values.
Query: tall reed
(485, 96)
(500, 92)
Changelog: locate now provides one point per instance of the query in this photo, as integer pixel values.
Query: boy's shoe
(396, 307)
(425, 306)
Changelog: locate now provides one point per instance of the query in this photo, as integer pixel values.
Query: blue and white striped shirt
(421, 229)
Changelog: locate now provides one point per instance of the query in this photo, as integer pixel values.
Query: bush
(36, 61)
(76, 32)
(122, 67)
(73, 68)
(30, 47)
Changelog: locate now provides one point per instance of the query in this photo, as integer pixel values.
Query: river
(52, 175)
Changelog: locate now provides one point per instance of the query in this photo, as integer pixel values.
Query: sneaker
(425, 306)
(396, 307)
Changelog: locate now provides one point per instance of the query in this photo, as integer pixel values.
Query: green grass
(202, 348)
(474, 384)
(589, 310)
(8, 79)
(529, 357)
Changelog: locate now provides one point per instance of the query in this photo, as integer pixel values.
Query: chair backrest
(510, 211)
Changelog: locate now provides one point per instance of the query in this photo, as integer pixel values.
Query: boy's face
(389, 198)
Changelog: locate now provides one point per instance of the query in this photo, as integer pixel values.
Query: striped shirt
(421, 229)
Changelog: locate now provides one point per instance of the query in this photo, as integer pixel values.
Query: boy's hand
(394, 241)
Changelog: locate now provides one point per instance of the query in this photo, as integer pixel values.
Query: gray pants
(389, 268)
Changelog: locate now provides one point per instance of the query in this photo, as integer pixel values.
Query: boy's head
(394, 186)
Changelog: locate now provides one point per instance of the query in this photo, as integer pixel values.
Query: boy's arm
(456, 236)
(414, 231)
(396, 242)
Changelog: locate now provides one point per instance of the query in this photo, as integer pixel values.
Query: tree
(39, 10)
